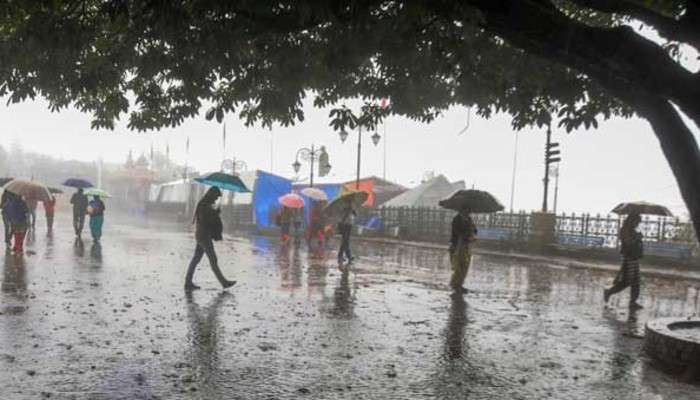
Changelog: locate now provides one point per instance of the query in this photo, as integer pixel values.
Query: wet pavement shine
(113, 322)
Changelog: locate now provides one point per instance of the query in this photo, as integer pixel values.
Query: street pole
(546, 172)
(384, 169)
(313, 154)
(359, 149)
(515, 166)
(556, 188)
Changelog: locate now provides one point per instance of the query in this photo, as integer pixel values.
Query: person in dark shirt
(632, 249)
(80, 203)
(4, 203)
(18, 214)
(50, 211)
(345, 230)
(96, 209)
(208, 228)
(463, 234)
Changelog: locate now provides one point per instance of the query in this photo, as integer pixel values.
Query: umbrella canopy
(3, 181)
(224, 181)
(291, 200)
(642, 207)
(336, 208)
(315, 194)
(77, 183)
(28, 189)
(54, 190)
(477, 201)
(96, 192)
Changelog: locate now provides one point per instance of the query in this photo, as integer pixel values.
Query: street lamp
(375, 138)
(343, 135)
(369, 117)
(231, 165)
(312, 154)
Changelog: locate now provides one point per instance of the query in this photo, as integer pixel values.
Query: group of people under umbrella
(322, 217)
(19, 202)
(342, 211)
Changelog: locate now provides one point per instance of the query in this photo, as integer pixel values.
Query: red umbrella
(292, 200)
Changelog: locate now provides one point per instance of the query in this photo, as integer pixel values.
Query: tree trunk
(679, 147)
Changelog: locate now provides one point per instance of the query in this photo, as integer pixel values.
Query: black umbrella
(642, 207)
(475, 201)
(78, 183)
(3, 181)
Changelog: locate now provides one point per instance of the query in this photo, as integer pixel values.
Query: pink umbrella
(292, 200)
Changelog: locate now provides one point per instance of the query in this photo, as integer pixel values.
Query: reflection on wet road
(84, 321)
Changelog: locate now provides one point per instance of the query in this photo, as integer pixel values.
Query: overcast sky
(620, 161)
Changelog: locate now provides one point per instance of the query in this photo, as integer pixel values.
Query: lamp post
(231, 165)
(369, 118)
(311, 155)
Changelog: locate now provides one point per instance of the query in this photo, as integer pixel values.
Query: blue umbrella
(77, 183)
(224, 181)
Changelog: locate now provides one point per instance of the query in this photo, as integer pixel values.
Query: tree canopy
(568, 62)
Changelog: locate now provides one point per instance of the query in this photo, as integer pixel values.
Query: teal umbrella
(223, 181)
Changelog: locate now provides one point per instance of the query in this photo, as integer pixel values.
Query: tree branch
(616, 53)
(684, 29)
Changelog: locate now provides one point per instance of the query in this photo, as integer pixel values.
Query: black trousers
(627, 277)
(8, 228)
(78, 222)
(345, 231)
(204, 246)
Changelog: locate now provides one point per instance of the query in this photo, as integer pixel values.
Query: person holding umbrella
(632, 248)
(345, 230)
(464, 230)
(18, 214)
(208, 228)
(96, 209)
(342, 209)
(80, 203)
(4, 202)
(463, 234)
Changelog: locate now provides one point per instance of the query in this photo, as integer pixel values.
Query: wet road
(112, 322)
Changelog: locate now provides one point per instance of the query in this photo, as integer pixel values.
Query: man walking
(345, 230)
(463, 234)
(208, 227)
(80, 203)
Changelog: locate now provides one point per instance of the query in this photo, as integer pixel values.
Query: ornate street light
(232, 166)
(312, 155)
(343, 135)
(297, 166)
(370, 116)
(375, 138)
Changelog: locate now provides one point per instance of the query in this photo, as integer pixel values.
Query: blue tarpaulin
(268, 188)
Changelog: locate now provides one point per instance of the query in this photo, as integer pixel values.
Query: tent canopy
(427, 194)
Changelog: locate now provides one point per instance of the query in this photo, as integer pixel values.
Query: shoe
(228, 284)
(606, 296)
(351, 259)
(191, 286)
(636, 306)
